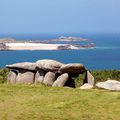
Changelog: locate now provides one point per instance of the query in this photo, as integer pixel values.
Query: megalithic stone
(26, 77)
(49, 78)
(89, 78)
(61, 80)
(39, 77)
(11, 78)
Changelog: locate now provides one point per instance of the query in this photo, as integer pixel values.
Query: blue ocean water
(106, 55)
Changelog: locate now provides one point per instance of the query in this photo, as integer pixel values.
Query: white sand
(32, 46)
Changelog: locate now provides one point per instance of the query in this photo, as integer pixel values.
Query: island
(13, 44)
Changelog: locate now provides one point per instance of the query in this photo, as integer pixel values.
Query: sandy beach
(32, 46)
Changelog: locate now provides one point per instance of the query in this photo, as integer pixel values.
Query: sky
(59, 16)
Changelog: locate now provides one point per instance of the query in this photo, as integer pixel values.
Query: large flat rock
(24, 65)
(48, 65)
(72, 68)
(109, 85)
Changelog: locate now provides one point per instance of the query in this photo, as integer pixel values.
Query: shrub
(3, 75)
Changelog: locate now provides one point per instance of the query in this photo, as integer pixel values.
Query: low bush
(3, 75)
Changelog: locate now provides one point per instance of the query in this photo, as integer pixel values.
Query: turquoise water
(106, 55)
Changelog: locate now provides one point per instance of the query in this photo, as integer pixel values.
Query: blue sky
(56, 16)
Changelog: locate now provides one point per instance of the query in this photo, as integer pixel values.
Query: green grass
(38, 102)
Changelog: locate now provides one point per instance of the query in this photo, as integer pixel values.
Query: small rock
(86, 86)
(109, 85)
(61, 80)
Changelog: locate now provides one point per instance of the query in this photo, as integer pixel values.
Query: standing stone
(90, 78)
(11, 78)
(39, 77)
(49, 78)
(61, 80)
(26, 77)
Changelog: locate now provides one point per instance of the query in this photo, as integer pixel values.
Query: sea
(105, 55)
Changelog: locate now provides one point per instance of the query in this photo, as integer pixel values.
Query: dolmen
(49, 72)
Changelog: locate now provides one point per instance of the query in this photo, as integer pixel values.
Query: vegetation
(39, 102)
(3, 75)
(100, 75)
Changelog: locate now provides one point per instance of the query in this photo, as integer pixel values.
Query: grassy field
(38, 102)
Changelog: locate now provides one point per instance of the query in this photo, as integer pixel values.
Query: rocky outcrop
(48, 72)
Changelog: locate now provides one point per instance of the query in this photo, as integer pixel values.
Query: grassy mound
(38, 102)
